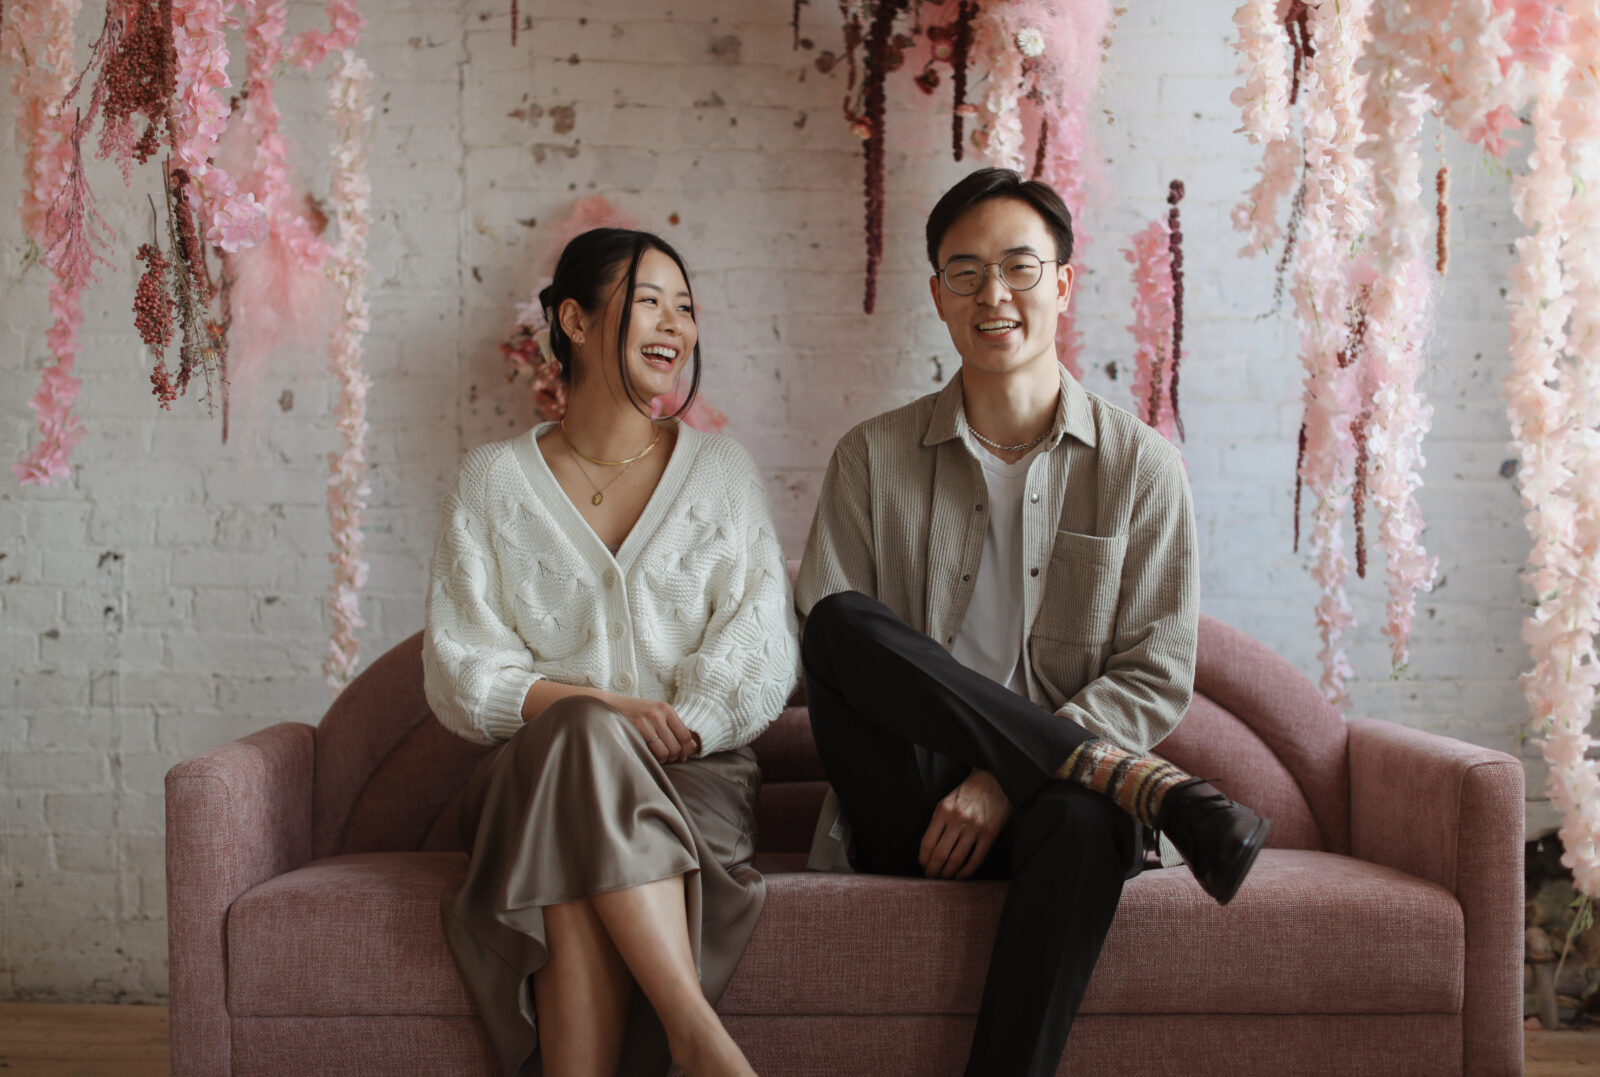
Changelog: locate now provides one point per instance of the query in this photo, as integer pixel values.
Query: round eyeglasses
(1019, 272)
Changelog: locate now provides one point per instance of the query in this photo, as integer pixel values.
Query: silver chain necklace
(1007, 448)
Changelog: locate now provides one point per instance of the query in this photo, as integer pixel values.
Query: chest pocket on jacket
(1081, 589)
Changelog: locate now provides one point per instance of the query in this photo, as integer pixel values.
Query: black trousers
(898, 723)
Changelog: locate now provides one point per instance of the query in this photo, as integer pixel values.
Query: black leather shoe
(1219, 839)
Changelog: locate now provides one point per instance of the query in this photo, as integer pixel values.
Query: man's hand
(964, 827)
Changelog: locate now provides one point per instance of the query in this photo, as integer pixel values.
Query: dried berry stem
(1441, 186)
(1358, 496)
(873, 101)
(960, 51)
(1044, 147)
(1299, 483)
(1175, 245)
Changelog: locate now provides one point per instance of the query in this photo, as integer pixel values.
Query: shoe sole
(1246, 860)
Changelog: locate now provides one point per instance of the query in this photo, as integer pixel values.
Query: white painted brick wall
(170, 595)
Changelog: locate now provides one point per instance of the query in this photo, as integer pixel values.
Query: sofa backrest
(389, 776)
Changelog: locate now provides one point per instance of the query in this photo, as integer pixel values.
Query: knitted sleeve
(476, 668)
(736, 683)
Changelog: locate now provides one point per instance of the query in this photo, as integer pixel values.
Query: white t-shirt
(990, 637)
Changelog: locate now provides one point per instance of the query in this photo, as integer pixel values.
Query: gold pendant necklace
(600, 491)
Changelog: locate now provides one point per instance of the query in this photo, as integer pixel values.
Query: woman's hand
(964, 826)
(670, 740)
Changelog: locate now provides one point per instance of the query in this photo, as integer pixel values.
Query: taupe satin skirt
(575, 804)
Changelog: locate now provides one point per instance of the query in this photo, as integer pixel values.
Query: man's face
(998, 330)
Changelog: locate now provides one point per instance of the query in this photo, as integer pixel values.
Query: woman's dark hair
(591, 268)
(987, 183)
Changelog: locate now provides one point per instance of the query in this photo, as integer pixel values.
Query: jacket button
(1034, 499)
(1033, 572)
(951, 639)
(977, 508)
(967, 577)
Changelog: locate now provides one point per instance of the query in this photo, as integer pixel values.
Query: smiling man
(1001, 604)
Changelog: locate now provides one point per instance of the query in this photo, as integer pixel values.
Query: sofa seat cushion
(347, 935)
(1310, 932)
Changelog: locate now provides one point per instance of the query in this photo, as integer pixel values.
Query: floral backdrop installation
(155, 83)
(1365, 77)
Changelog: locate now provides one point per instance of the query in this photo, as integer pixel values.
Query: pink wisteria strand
(1151, 258)
(345, 25)
(231, 219)
(1263, 101)
(350, 108)
(36, 39)
(1551, 393)
(279, 300)
(1399, 312)
(1333, 214)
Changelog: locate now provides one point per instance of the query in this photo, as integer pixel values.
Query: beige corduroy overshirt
(1111, 581)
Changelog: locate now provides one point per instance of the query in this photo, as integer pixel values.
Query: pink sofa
(1379, 933)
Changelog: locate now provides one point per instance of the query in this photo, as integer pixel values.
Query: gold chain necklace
(609, 463)
(600, 491)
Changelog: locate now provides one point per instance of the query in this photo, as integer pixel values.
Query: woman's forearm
(544, 692)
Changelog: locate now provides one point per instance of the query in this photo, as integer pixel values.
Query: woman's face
(661, 330)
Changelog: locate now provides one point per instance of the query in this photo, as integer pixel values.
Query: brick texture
(171, 595)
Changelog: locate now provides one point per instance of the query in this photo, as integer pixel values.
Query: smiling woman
(609, 604)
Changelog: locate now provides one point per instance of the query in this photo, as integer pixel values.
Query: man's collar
(1073, 415)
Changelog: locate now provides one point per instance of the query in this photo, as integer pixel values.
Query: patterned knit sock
(1137, 783)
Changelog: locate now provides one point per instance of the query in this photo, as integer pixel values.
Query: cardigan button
(622, 682)
(608, 578)
(616, 629)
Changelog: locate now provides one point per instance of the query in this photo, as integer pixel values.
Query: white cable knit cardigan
(693, 610)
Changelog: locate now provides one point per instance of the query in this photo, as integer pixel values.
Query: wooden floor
(44, 1040)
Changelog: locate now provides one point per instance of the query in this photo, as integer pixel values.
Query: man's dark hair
(987, 183)
(590, 269)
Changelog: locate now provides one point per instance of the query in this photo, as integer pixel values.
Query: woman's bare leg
(649, 927)
(581, 994)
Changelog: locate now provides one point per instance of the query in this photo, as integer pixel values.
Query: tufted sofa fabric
(1379, 932)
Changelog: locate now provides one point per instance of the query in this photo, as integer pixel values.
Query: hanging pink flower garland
(1551, 394)
(36, 39)
(350, 109)
(1151, 257)
(1334, 213)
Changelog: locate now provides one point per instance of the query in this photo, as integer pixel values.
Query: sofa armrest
(237, 815)
(1452, 813)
